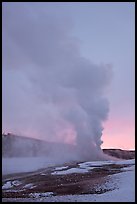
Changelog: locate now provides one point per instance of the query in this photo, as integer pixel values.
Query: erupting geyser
(50, 91)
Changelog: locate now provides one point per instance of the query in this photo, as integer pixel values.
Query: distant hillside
(20, 146)
(119, 153)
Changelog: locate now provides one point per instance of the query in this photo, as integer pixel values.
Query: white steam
(50, 91)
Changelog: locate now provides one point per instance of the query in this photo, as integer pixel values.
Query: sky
(44, 47)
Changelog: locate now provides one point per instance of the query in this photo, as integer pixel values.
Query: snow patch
(130, 161)
(70, 171)
(95, 164)
(7, 185)
(61, 168)
(29, 186)
(38, 195)
(10, 184)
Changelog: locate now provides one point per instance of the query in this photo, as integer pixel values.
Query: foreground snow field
(121, 185)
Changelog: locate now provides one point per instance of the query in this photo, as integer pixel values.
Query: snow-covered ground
(84, 167)
(122, 186)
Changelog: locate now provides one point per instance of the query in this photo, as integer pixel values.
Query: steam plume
(50, 91)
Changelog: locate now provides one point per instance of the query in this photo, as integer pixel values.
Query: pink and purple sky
(35, 37)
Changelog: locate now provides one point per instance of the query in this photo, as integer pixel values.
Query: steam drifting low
(50, 91)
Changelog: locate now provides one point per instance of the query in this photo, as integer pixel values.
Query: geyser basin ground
(81, 181)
